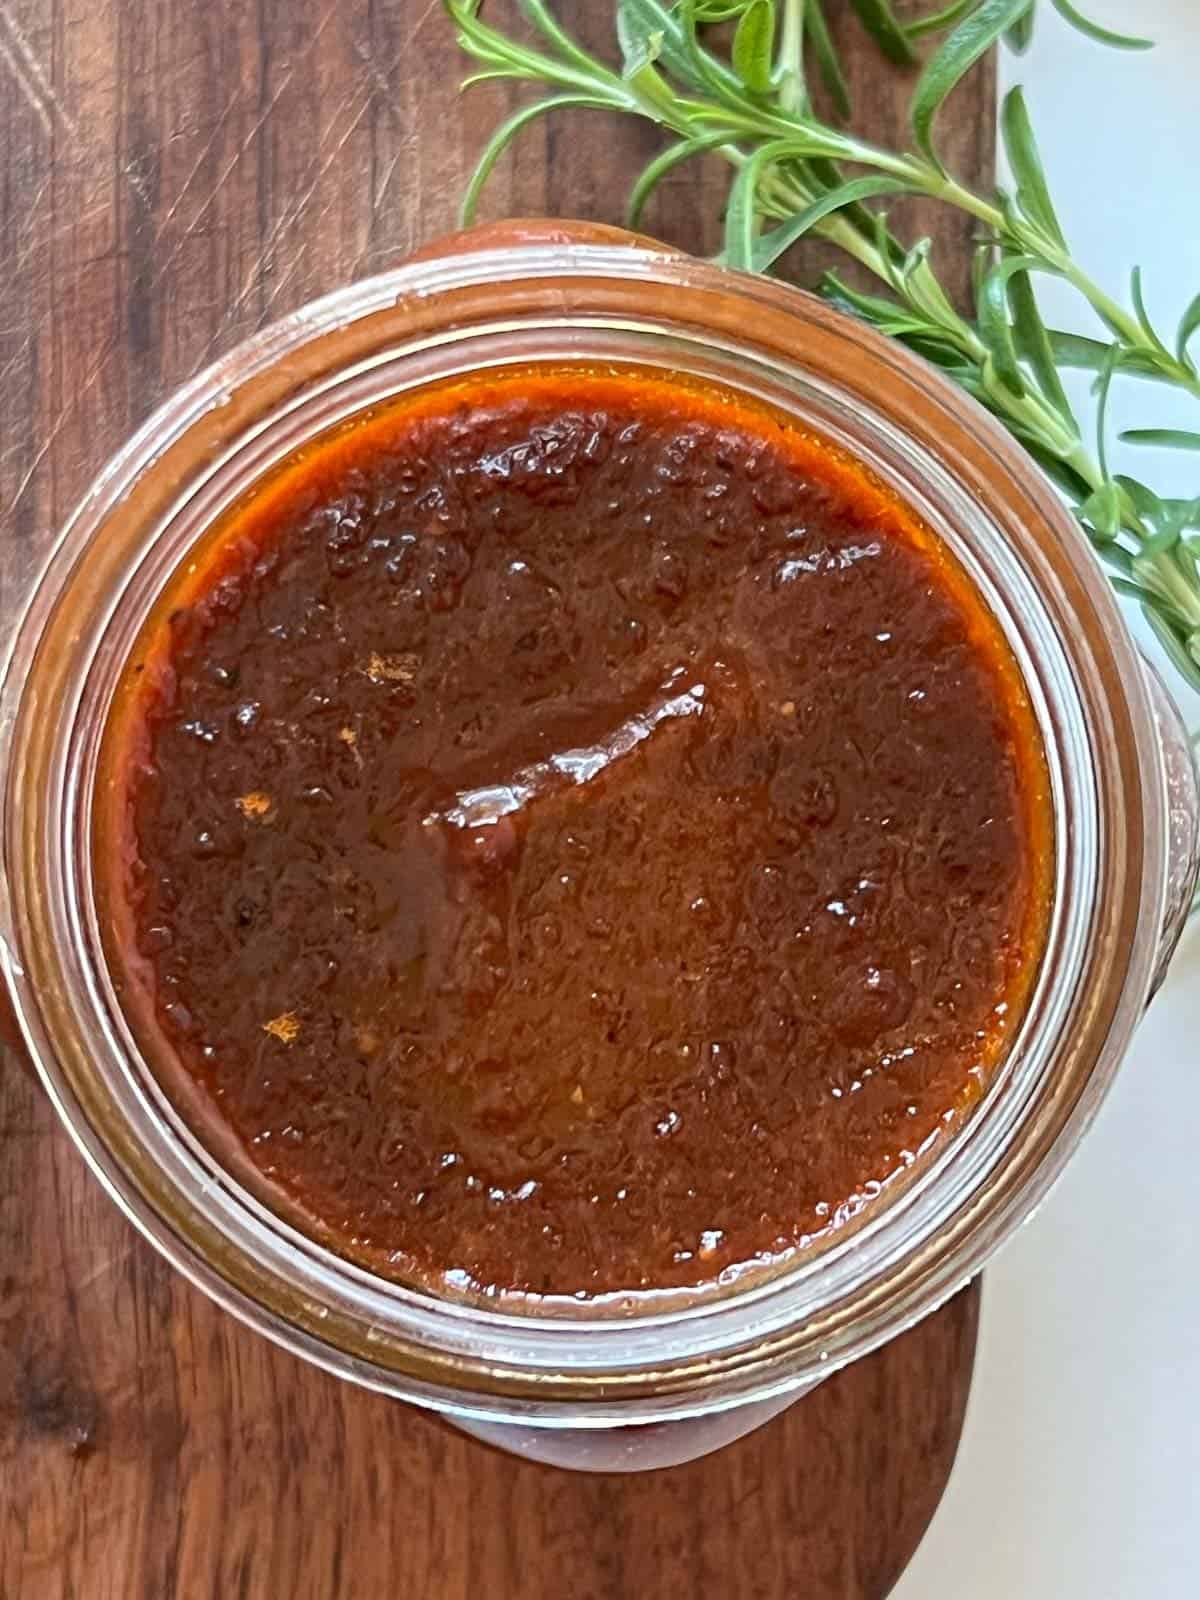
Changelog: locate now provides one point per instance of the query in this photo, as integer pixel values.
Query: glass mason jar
(596, 1390)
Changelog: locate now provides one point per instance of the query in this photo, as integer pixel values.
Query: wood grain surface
(173, 174)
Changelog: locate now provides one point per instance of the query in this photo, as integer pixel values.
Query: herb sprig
(795, 172)
(899, 37)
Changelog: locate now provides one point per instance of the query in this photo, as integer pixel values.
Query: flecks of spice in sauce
(255, 806)
(658, 836)
(401, 668)
(285, 1027)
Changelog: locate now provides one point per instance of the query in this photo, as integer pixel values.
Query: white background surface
(1079, 1472)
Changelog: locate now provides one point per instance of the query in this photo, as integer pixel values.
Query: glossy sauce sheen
(581, 835)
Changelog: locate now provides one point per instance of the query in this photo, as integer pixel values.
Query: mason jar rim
(582, 303)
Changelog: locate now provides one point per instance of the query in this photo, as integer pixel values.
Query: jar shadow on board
(635, 1381)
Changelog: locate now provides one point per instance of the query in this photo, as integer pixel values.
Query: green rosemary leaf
(1182, 515)
(939, 353)
(496, 53)
(1118, 558)
(1143, 316)
(640, 19)
(1159, 513)
(642, 52)
(715, 75)
(1033, 344)
(1075, 352)
(871, 225)
(901, 274)
(1189, 325)
(742, 212)
(653, 90)
(969, 43)
(983, 253)
(656, 170)
(637, 30)
(995, 326)
(1145, 502)
(492, 75)
(1102, 510)
(1020, 36)
(938, 21)
(720, 10)
(1060, 472)
(770, 246)
(880, 21)
(539, 17)
(1174, 643)
(1168, 438)
(754, 46)
(1103, 391)
(507, 132)
(1131, 590)
(1161, 543)
(1093, 30)
(1033, 195)
(1188, 556)
(829, 63)
(512, 59)
(887, 315)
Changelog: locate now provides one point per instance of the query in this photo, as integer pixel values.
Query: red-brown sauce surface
(578, 834)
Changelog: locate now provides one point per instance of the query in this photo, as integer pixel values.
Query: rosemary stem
(791, 57)
(1059, 262)
(1128, 327)
(687, 117)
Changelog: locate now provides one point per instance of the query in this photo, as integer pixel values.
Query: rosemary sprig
(898, 36)
(794, 173)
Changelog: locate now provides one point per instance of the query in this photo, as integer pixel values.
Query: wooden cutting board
(175, 174)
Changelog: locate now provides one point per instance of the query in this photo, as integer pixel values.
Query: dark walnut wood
(175, 174)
